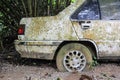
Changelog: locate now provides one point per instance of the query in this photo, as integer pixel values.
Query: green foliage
(59, 78)
(73, 1)
(94, 63)
(11, 11)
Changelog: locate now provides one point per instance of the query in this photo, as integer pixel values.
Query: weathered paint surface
(57, 27)
(37, 49)
(43, 34)
(105, 34)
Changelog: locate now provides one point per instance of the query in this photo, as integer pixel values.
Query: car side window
(110, 9)
(90, 11)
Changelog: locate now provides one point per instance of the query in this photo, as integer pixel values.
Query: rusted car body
(87, 22)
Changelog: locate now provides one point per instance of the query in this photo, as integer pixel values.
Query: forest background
(11, 12)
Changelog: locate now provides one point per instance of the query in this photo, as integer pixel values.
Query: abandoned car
(82, 31)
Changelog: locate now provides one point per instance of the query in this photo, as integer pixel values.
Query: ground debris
(113, 76)
(43, 71)
(78, 76)
(59, 78)
(1, 76)
(28, 78)
(85, 77)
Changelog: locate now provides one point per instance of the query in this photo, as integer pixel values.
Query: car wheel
(73, 57)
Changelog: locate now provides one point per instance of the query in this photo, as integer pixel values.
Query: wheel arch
(86, 42)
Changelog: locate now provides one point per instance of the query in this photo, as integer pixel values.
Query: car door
(105, 32)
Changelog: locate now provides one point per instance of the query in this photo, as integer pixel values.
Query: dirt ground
(46, 70)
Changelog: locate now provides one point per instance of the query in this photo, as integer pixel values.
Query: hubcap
(74, 61)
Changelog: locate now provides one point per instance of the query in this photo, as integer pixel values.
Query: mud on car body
(85, 29)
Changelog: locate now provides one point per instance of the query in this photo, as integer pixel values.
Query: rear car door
(105, 31)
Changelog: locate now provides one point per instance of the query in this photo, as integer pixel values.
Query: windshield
(110, 9)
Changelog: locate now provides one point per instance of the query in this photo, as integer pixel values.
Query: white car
(82, 31)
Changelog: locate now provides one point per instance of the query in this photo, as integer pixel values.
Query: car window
(90, 11)
(110, 9)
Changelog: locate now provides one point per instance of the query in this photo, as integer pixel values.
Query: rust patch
(60, 28)
(57, 27)
(106, 35)
(51, 28)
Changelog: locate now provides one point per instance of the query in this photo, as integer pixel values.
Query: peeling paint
(40, 31)
(44, 34)
(41, 28)
(106, 35)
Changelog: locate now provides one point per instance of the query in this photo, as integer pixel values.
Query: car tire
(73, 57)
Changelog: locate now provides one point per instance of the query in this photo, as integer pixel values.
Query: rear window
(97, 10)
(88, 11)
(110, 9)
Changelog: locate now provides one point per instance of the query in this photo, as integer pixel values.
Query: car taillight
(21, 30)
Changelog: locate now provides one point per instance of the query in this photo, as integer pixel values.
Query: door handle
(85, 25)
